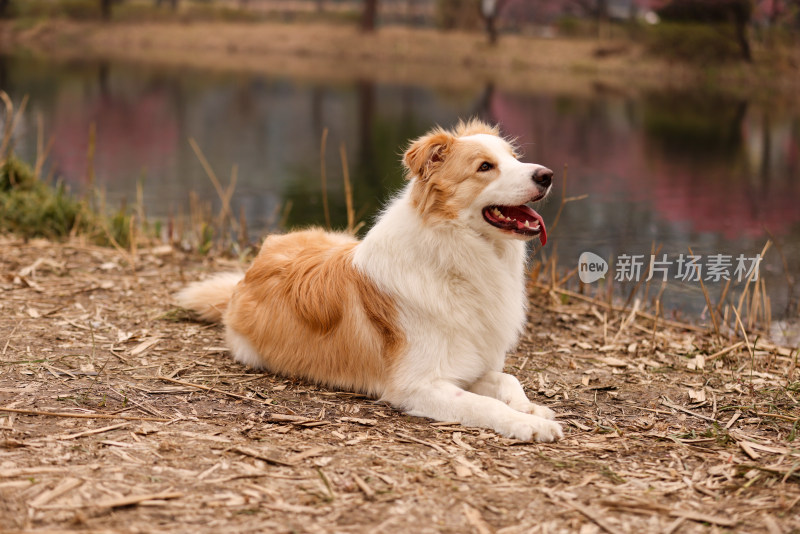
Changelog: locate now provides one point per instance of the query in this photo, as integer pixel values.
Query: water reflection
(677, 168)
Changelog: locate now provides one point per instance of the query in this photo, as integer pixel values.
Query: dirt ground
(120, 414)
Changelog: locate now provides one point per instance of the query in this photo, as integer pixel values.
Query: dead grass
(118, 414)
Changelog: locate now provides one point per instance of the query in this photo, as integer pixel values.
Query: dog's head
(473, 175)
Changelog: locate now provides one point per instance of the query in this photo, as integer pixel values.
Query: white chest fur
(460, 296)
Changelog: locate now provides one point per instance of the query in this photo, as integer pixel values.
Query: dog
(421, 312)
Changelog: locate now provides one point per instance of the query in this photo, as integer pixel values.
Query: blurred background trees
(368, 15)
(718, 27)
(697, 30)
(491, 9)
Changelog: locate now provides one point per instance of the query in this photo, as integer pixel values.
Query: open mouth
(521, 220)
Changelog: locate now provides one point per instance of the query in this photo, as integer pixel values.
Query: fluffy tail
(209, 298)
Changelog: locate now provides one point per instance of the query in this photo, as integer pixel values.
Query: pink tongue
(531, 214)
(543, 234)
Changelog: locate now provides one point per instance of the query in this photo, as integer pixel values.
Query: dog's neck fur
(443, 244)
(452, 276)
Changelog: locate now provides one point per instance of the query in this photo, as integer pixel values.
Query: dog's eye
(485, 166)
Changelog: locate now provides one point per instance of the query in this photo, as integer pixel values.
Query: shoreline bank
(450, 60)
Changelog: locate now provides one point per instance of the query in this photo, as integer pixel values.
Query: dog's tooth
(497, 213)
(527, 224)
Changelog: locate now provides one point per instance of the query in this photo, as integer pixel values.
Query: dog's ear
(427, 153)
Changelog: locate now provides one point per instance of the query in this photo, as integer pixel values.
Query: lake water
(669, 167)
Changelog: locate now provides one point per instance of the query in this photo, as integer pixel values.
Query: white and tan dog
(422, 311)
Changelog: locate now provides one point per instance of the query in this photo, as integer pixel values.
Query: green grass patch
(39, 9)
(702, 44)
(33, 208)
(140, 11)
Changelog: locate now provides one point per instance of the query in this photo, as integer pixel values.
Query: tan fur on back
(309, 313)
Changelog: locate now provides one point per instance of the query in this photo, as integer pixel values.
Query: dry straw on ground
(117, 414)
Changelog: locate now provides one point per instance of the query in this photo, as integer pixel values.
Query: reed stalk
(709, 307)
(348, 191)
(324, 178)
(11, 121)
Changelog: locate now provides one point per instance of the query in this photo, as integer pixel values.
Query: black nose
(543, 176)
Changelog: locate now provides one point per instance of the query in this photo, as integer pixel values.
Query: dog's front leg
(444, 401)
(506, 388)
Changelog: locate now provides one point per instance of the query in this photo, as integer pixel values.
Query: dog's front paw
(535, 428)
(549, 431)
(535, 409)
